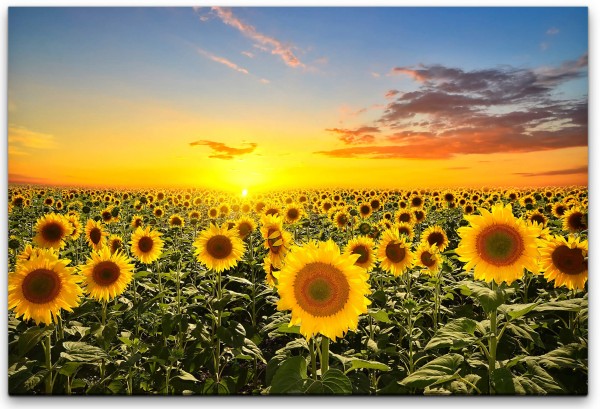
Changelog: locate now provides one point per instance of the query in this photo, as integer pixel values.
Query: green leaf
(515, 311)
(186, 376)
(169, 321)
(232, 336)
(502, 379)
(440, 370)
(573, 305)
(286, 329)
(290, 376)
(357, 363)
(536, 381)
(336, 383)
(381, 316)
(572, 356)
(488, 299)
(455, 335)
(82, 352)
(32, 337)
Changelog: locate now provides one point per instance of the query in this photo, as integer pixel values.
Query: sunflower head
(269, 270)
(277, 239)
(219, 248)
(498, 246)
(176, 221)
(435, 236)
(106, 275)
(394, 253)
(325, 290)
(245, 226)
(146, 244)
(365, 248)
(427, 256)
(95, 234)
(575, 220)
(52, 230)
(293, 213)
(565, 261)
(115, 243)
(41, 286)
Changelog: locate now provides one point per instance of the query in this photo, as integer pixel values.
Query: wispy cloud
(222, 60)
(456, 112)
(355, 136)
(22, 140)
(26, 179)
(248, 54)
(572, 171)
(262, 41)
(552, 31)
(222, 151)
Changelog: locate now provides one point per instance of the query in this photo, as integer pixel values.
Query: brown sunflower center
(538, 218)
(500, 245)
(244, 229)
(575, 221)
(342, 220)
(417, 201)
(115, 245)
(145, 244)
(404, 217)
(365, 210)
(292, 214)
(95, 235)
(569, 261)
(219, 246)
(52, 232)
(176, 221)
(272, 212)
(41, 286)
(436, 238)
(106, 273)
(560, 210)
(427, 259)
(395, 253)
(363, 251)
(106, 216)
(321, 289)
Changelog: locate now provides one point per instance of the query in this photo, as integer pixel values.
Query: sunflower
(219, 248)
(404, 229)
(565, 262)
(574, 220)
(420, 215)
(428, 257)
(41, 286)
(363, 246)
(146, 244)
(176, 221)
(213, 212)
(435, 235)
(269, 270)
(115, 243)
(245, 226)
(341, 219)
(324, 289)
(365, 210)
(405, 216)
(158, 211)
(277, 240)
(76, 224)
(293, 213)
(30, 252)
(106, 274)
(394, 253)
(417, 202)
(95, 234)
(497, 245)
(137, 221)
(535, 216)
(52, 230)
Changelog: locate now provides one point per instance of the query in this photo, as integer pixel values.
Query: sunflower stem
(313, 358)
(492, 344)
(47, 350)
(324, 355)
(104, 306)
(218, 342)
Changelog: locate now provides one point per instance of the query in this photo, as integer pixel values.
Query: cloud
(22, 140)
(552, 31)
(222, 60)
(248, 54)
(262, 41)
(355, 136)
(25, 179)
(265, 81)
(457, 112)
(222, 151)
(392, 93)
(573, 171)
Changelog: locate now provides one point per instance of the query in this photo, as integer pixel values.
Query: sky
(286, 98)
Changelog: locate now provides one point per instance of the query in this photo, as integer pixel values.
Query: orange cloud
(573, 171)
(222, 60)
(355, 136)
(222, 151)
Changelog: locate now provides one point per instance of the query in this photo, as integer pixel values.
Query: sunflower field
(347, 291)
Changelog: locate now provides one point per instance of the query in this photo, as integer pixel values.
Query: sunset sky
(279, 98)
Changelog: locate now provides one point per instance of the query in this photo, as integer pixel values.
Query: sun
(244, 192)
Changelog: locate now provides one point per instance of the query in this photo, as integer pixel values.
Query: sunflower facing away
(394, 253)
(95, 234)
(364, 247)
(269, 270)
(106, 274)
(41, 286)
(324, 289)
(565, 262)
(146, 244)
(498, 246)
(219, 248)
(277, 240)
(51, 231)
(29, 252)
